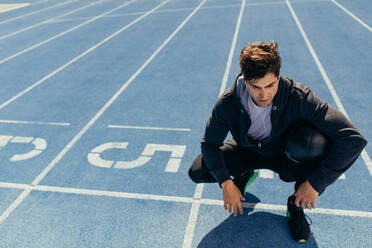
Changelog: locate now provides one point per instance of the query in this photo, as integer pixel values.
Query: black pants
(239, 160)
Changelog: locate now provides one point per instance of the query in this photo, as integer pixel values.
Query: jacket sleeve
(215, 133)
(346, 141)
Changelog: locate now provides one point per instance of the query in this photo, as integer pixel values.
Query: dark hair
(259, 58)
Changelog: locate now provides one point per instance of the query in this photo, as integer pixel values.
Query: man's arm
(346, 141)
(214, 136)
(215, 133)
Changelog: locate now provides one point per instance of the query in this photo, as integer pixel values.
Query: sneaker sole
(253, 177)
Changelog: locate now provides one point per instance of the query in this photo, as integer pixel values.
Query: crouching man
(259, 110)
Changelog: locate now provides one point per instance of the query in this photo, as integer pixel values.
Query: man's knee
(199, 173)
(192, 173)
(193, 176)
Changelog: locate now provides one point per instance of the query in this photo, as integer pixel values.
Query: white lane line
(14, 204)
(275, 207)
(367, 160)
(191, 224)
(151, 128)
(196, 199)
(13, 185)
(65, 32)
(78, 57)
(124, 14)
(352, 15)
(232, 49)
(9, 7)
(264, 173)
(40, 177)
(34, 12)
(186, 9)
(308, 1)
(35, 123)
(107, 105)
(112, 194)
(340, 212)
(193, 217)
(268, 174)
(328, 82)
(46, 21)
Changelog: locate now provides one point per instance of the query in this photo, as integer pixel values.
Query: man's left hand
(306, 196)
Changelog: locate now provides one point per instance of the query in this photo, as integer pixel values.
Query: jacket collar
(278, 101)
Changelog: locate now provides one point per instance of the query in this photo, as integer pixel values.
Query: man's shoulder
(295, 88)
(226, 99)
(228, 94)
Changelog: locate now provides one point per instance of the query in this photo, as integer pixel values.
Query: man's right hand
(232, 197)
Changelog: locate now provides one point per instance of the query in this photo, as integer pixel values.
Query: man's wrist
(311, 186)
(226, 182)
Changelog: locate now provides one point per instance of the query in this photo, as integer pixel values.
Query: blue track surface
(88, 90)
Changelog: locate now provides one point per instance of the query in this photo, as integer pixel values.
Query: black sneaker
(298, 225)
(243, 181)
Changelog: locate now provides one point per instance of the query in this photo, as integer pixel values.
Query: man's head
(260, 65)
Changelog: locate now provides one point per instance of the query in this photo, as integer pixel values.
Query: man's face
(263, 90)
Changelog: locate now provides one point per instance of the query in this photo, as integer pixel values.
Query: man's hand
(306, 196)
(232, 197)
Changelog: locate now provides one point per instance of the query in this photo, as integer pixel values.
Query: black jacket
(293, 102)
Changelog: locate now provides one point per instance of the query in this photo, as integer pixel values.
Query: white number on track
(177, 152)
(38, 143)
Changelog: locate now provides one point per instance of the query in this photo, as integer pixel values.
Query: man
(258, 110)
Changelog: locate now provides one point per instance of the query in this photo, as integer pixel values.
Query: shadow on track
(253, 229)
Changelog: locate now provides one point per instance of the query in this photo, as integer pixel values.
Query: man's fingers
(297, 202)
(225, 205)
(235, 210)
(230, 208)
(304, 204)
(240, 208)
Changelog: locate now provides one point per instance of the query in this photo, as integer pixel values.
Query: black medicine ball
(305, 144)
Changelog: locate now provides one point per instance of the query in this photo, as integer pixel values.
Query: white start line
(179, 199)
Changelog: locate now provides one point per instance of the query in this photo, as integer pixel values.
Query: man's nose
(263, 94)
